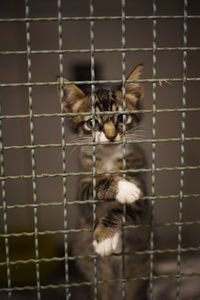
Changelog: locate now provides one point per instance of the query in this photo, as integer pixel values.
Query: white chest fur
(110, 158)
(107, 156)
(110, 155)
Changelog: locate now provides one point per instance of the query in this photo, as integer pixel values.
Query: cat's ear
(134, 88)
(71, 94)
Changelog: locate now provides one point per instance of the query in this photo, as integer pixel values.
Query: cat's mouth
(109, 141)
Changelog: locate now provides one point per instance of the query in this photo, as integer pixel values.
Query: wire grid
(63, 145)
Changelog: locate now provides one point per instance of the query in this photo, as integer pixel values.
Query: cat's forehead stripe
(105, 100)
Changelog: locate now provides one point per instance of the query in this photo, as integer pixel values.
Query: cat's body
(118, 193)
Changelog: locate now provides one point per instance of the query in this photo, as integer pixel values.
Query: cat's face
(112, 116)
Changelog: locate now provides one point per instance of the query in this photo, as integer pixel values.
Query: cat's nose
(110, 131)
(111, 138)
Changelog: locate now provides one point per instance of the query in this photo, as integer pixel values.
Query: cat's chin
(101, 138)
(111, 147)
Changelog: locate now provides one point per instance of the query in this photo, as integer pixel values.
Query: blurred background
(17, 214)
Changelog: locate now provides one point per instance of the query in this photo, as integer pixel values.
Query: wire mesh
(29, 64)
(9, 263)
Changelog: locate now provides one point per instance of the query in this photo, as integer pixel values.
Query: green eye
(89, 124)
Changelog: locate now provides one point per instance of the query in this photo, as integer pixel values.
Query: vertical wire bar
(123, 60)
(4, 208)
(153, 176)
(65, 208)
(31, 124)
(94, 196)
(182, 173)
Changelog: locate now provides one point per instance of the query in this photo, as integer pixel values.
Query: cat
(115, 119)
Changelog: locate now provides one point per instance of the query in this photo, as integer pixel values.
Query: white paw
(109, 245)
(128, 192)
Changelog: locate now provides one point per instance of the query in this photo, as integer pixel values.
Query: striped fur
(113, 122)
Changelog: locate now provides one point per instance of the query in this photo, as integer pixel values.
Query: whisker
(77, 139)
(138, 132)
(137, 127)
(136, 136)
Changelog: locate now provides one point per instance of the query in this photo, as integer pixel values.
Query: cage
(95, 42)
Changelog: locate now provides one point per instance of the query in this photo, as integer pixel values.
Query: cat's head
(114, 114)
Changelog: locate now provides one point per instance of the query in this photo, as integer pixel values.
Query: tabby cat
(113, 124)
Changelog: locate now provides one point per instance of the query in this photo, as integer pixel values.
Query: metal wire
(153, 170)
(4, 210)
(33, 163)
(93, 18)
(87, 283)
(182, 172)
(95, 82)
(153, 174)
(123, 63)
(94, 171)
(64, 167)
(43, 115)
(51, 203)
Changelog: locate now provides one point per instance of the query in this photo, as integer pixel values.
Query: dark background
(47, 130)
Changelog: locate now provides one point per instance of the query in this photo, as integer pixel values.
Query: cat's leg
(113, 191)
(125, 191)
(108, 227)
(107, 232)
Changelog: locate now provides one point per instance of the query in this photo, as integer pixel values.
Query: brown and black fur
(108, 213)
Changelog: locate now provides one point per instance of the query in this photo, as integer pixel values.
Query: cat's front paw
(109, 245)
(128, 192)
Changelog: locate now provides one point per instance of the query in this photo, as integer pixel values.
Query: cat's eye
(91, 124)
(124, 119)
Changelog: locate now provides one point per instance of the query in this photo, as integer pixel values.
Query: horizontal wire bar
(81, 202)
(107, 50)
(86, 257)
(68, 114)
(81, 230)
(88, 283)
(98, 18)
(84, 173)
(44, 146)
(90, 82)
